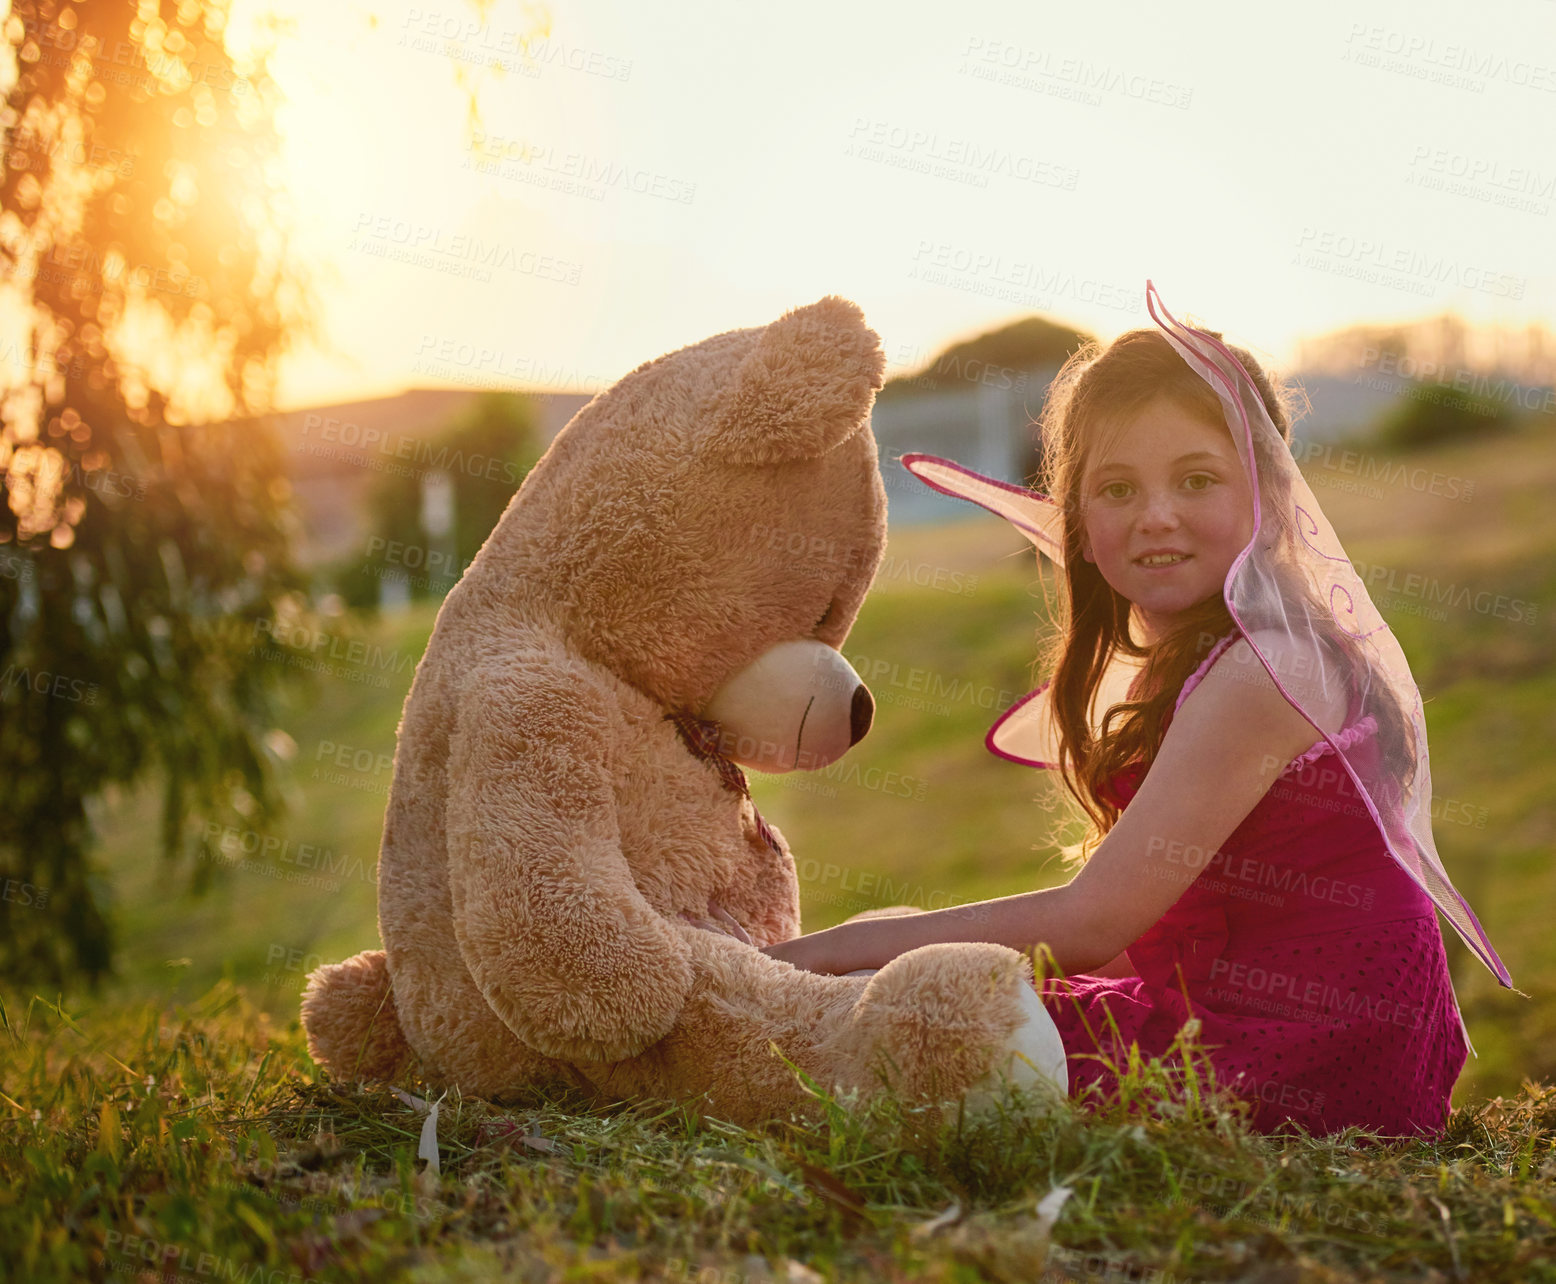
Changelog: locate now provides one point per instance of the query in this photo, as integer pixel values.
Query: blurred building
(335, 452)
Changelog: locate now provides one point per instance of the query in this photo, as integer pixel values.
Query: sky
(642, 176)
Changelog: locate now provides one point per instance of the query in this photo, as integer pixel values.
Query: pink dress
(1313, 962)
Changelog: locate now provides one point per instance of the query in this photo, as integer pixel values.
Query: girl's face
(1168, 483)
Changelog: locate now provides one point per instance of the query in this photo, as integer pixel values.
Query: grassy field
(197, 1143)
(180, 1109)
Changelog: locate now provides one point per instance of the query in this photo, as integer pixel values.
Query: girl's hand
(808, 953)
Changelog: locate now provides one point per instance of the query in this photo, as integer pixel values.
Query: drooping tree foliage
(146, 294)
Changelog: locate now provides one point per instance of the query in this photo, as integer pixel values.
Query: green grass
(198, 1142)
(237, 1126)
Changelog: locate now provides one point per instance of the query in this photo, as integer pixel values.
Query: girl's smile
(1166, 511)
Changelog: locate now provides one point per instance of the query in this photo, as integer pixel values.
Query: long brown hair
(1097, 392)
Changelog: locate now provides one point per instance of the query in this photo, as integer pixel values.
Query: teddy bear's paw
(1032, 1061)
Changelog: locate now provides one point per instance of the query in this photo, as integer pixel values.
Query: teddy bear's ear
(807, 385)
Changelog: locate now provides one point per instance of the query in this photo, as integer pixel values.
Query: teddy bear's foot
(1033, 1062)
(944, 1021)
(349, 1015)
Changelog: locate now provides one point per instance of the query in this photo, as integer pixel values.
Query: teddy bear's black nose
(862, 713)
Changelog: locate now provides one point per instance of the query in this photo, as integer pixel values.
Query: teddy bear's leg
(932, 1025)
(961, 1020)
(461, 1041)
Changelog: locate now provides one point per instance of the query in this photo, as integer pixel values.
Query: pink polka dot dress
(1312, 961)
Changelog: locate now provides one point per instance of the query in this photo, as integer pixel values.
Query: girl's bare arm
(1227, 743)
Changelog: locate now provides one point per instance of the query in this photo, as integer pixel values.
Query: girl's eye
(1204, 477)
(1108, 491)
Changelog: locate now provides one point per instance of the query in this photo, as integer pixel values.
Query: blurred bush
(1441, 415)
(480, 459)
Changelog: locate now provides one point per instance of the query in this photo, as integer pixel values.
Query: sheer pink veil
(1293, 593)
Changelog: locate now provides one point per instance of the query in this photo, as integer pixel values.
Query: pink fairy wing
(1025, 732)
(1033, 514)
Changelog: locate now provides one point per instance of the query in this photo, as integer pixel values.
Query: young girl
(1242, 731)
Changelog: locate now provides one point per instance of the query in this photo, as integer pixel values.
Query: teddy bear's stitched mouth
(800, 734)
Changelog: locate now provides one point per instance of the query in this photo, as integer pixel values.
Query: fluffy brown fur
(548, 833)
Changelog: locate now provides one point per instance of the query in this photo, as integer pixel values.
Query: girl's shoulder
(1215, 653)
(1307, 671)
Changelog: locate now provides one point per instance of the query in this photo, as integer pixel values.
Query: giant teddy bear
(573, 880)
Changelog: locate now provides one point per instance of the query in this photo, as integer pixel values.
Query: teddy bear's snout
(798, 705)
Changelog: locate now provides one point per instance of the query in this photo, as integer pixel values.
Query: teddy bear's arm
(551, 925)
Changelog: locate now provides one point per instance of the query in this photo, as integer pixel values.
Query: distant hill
(996, 359)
